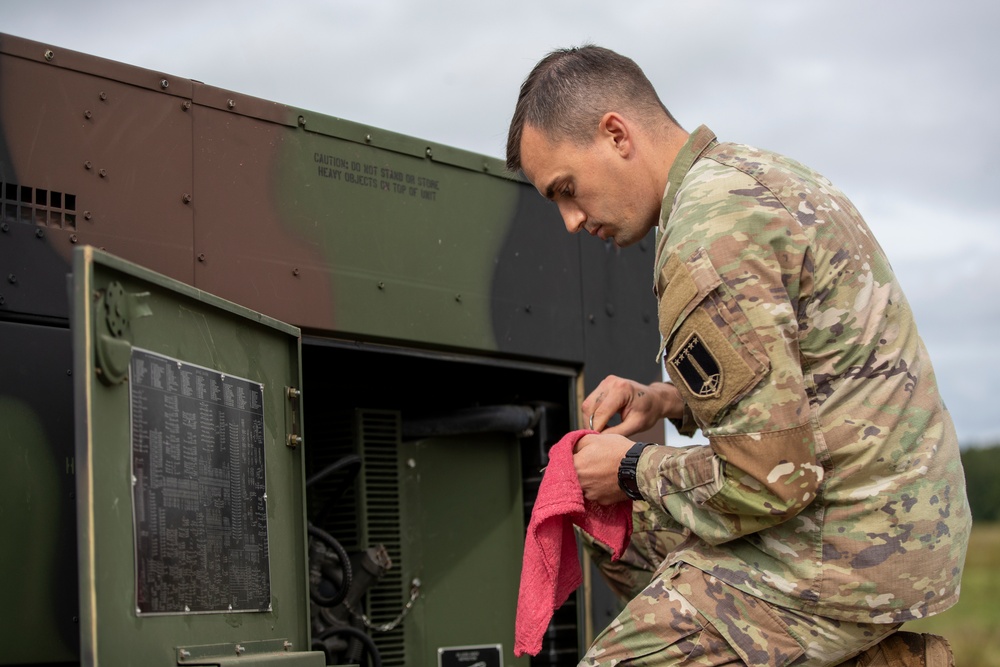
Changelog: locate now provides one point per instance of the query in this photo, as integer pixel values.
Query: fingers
(607, 400)
(618, 396)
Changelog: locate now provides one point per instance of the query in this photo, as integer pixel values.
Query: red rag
(551, 567)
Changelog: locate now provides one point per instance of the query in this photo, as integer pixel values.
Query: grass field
(973, 625)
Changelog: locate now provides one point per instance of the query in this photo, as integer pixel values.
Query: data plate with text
(199, 500)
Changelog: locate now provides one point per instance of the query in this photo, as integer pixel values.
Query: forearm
(727, 490)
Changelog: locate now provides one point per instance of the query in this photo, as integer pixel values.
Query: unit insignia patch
(698, 367)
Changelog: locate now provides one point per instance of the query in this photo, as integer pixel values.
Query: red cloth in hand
(551, 568)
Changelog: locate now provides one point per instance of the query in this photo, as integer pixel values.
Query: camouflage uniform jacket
(832, 481)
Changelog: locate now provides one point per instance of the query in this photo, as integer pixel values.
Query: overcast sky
(897, 102)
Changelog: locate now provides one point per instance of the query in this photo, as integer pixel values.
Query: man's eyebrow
(550, 190)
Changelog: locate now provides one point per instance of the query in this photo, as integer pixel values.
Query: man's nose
(573, 217)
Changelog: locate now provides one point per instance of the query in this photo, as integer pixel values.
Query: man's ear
(615, 129)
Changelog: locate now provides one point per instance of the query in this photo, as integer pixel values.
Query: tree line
(982, 481)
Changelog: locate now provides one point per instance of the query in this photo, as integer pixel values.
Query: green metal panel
(463, 538)
(124, 317)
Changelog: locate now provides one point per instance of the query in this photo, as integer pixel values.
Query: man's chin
(622, 241)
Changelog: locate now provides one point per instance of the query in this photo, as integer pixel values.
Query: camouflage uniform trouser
(677, 614)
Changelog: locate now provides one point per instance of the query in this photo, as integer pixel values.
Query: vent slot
(379, 439)
(365, 511)
(37, 206)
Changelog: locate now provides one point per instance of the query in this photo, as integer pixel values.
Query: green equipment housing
(278, 386)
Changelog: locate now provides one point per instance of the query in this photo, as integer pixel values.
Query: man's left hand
(596, 459)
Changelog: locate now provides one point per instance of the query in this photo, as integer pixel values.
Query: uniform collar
(697, 143)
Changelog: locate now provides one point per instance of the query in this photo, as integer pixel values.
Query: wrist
(672, 405)
(627, 478)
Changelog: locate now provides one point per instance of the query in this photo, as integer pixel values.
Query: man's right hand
(639, 405)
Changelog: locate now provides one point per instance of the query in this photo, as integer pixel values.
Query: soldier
(829, 506)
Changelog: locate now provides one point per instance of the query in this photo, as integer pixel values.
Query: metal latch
(293, 437)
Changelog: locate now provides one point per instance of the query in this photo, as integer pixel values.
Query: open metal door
(190, 474)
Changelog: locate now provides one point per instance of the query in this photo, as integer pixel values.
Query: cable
(373, 654)
(345, 586)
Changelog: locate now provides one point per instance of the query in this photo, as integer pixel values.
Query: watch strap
(627, 470)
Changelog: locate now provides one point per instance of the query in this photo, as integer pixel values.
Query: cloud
(894, 101)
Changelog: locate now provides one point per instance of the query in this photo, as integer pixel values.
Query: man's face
(595, 186)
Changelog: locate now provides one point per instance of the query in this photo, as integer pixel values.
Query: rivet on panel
(72, 238)
(103, 173)
(368, 138)
(201, 257)
(5, 228)
(39, 233)
(87, 215)
(87, 114)
(231, 104)
(49, 54)
(458, 298)
(429, 152)
(164, 84)
(302, 121)
(103, 96)
(88, 165)
(12, 279)
(381, 285)
(186, 198)
(295, 272)
(185, 105)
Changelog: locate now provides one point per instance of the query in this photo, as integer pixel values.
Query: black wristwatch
(626, 470)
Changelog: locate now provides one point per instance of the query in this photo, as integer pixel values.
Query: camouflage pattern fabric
(685, 616)
(832, 483)
(654, 536)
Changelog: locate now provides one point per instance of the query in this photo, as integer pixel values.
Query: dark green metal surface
(462, 510)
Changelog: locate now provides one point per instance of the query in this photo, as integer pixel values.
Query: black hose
(345, 587)
(374, 657)
(514, 419)
(352, 463)
(351, 459)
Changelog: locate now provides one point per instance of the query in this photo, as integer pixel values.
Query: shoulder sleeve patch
(710, 350)
(707, 368)
(698, 367)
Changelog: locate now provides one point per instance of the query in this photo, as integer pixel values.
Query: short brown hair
(570, 90)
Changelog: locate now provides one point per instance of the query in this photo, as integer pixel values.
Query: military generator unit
(276, 385)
